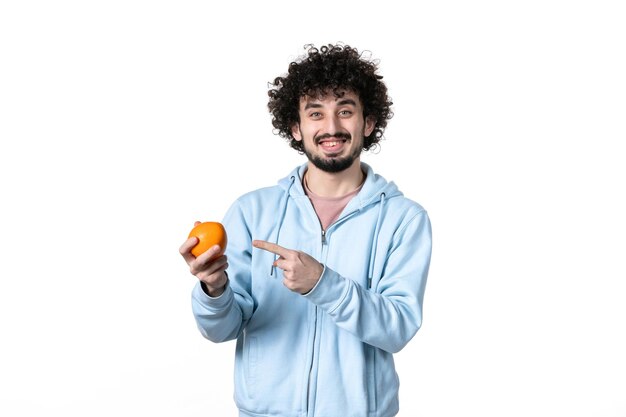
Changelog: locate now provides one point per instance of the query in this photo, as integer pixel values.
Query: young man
(326, 271)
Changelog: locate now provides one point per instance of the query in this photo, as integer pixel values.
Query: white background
(123, 122)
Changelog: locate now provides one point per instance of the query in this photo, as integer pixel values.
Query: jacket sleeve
(389, 315)
(223, 318)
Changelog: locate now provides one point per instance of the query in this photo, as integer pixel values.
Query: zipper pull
(323, 237)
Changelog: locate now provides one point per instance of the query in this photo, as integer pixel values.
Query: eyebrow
(342, 102)
(310, 105)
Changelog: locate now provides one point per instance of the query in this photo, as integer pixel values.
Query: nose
(332, 124)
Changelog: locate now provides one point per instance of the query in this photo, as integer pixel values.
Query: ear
(370, 124)
(295, 132)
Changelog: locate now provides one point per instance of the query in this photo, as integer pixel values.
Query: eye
(315, 115)
(345, 113)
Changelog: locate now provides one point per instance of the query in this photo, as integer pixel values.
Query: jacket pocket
(371, 378)
(251, 361)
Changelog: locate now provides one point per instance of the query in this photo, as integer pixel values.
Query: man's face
(332, 130)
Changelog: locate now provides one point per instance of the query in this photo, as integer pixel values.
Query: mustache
(338, 135)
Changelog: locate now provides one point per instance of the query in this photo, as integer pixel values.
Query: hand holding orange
(208, 234)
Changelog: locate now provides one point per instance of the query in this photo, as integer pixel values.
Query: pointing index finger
(271, 247)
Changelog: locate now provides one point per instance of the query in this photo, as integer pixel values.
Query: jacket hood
(373, 188)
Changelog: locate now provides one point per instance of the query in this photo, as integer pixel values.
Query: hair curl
(329, 68)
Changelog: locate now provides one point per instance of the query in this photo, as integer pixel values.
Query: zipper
(309, 394)
(324, 248)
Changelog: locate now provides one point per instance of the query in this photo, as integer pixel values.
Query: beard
(332, 164)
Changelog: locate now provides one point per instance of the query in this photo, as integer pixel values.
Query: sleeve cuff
(330, 291)
(214, 303)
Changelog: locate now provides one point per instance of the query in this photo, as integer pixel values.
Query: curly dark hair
(329, 68)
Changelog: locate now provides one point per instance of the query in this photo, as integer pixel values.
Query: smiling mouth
(332, 147)
(331, 143)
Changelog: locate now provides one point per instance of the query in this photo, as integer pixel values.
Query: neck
(334, 184)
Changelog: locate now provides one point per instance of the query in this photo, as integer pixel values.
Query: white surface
(123, 122)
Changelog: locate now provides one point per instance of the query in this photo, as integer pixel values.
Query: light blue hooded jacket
(327, 353)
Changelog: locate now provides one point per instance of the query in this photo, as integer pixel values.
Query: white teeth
(330, 143)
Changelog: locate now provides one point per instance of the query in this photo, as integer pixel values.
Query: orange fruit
(208, 234)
